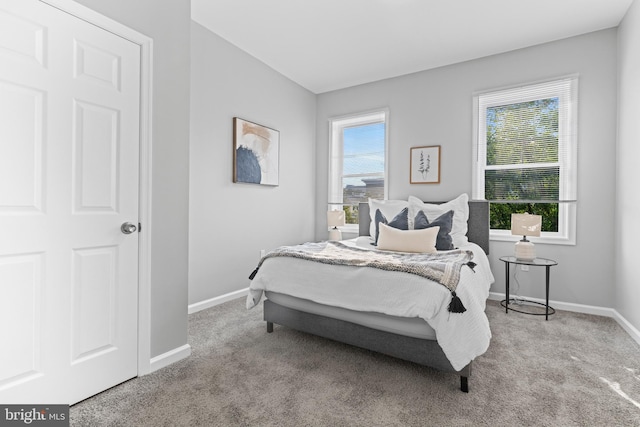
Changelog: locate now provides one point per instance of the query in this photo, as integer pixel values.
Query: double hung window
(357, 162)
(525, 150)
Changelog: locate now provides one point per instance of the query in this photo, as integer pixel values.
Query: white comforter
(462, 336)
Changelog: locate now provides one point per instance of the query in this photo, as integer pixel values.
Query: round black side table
(536, 262)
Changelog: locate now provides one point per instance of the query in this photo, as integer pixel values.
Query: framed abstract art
(256, 153)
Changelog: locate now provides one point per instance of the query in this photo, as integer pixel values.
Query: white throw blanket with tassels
(442, 267)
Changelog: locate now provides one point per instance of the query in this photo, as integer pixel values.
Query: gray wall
(230, 223)
(627, 171)
(434, 107)
(168, 23)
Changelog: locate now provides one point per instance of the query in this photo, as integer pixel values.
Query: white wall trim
(202, 305)
(91, 16)
(631, 330)
(146, 103)
(496, 296)
(171, 356)
(581, 308)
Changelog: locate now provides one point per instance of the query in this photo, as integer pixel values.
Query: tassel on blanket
(471, 265)
(253, 274)
(456, 306)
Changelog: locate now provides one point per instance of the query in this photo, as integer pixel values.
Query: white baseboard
(202, 305)
(169, 357)
(496, 296)
(631, 330)
(582, 308)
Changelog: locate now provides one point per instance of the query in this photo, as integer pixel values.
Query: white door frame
(146, 95)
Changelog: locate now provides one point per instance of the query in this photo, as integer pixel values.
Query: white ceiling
(325, 45)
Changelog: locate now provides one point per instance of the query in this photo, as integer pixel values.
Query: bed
(404, 334)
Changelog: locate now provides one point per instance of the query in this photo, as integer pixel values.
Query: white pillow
(421, 241)
(460, 208)
(389, 208)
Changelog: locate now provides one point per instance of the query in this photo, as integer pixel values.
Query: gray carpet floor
(573, 370)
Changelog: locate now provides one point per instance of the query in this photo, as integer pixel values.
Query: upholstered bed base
(421, 351)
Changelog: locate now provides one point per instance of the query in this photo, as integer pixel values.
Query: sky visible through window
(363, 152)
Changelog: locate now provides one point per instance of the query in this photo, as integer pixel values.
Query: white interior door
(69, 159)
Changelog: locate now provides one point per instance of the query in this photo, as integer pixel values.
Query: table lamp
(525, 225)
(335, 219)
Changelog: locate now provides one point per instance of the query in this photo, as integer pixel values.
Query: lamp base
(335, 234)
(525, 250)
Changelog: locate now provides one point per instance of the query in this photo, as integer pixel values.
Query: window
(357, 166)
(525, 154)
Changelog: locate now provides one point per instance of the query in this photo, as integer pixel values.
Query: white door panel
(69, 144)
(22, 110)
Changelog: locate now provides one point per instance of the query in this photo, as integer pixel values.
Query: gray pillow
(444, 242)
(400, 221)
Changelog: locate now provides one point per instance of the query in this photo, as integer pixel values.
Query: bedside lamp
(525, 225)
(335, 219)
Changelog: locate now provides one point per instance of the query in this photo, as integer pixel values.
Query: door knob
(128, 228)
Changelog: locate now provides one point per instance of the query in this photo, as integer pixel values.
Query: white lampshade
(525, 225)
(335, 218)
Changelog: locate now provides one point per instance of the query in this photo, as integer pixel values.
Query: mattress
(414, 327)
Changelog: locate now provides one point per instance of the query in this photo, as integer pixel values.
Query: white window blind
(533, 144)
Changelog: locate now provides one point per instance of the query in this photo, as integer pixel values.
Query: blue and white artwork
(256, 153)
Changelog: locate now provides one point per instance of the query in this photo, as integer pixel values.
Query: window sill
(350, 228)
(545, 238)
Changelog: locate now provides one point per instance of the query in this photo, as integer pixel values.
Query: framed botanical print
(425, 165)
